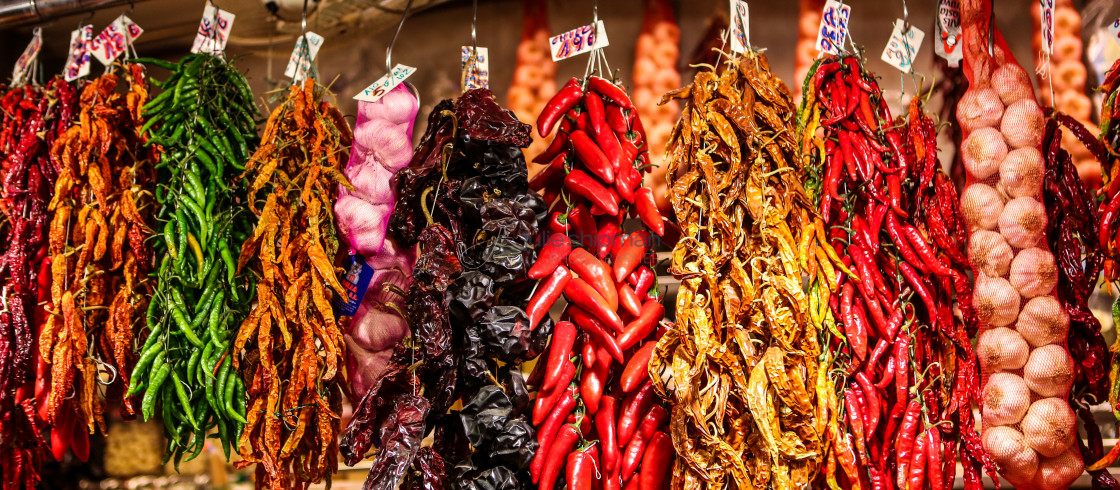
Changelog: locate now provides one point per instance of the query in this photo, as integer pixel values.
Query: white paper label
(77, 62)
(213, 31)
(1047, 26)
(834, 27)
(299, 65)
(477, 73)
(740, 26)
(903, 46)
(27, 59)
(1114, 30)
(382, 86)
(948, 29)
(114, 39)
(578, 41)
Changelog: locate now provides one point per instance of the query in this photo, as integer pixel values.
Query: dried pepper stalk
(100, 255)
(752, 403)
(290, 350)
(205, 123)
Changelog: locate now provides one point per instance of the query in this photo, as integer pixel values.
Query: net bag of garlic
(1029, 429)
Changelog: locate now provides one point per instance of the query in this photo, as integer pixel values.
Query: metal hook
(595, 16)
(905, 18)
(303, 23)
(991, 29)
(474, 28)
(389, 50)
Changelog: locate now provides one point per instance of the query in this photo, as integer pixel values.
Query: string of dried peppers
(204, 121)
(290, 348)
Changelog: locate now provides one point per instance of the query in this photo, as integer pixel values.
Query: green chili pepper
(157, 380)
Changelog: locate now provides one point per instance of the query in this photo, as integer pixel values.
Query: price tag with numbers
(476, 70)
(26, 60)
(378, 89)
(740, 26)
(299, 65)
(947, 41)
(213, 31)
(1047, 26)
(1114, 30)
(903, 46)
(114, 39)
(77, 61)
(578, 41)
(834, 27)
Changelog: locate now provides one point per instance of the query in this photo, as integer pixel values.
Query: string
(389, 50)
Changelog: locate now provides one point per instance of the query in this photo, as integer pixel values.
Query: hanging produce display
(655, 72)
(464, 200)
(1110, 189)
(534, 76)
(289, 354)
(598, 421)
(205, 123)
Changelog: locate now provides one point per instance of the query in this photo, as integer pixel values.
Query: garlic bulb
(1022, 222)
(989, 253)
(981, 206)
(1034, 273)
(1043, 321)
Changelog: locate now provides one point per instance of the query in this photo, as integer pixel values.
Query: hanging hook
(389, 50)
(303, 23)
(474, 29)
(991, 29)
(595, 16)
(905, 18)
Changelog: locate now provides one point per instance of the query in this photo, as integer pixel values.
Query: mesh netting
(1029, 428)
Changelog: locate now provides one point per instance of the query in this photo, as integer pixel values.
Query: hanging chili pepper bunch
(598, 422)
(33, 117)
(100, 255)
(205, 122)
(290, 350)
(1110, 190)
(464, 199)
(893, 231)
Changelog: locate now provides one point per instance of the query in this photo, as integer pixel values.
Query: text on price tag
(834, 27)
(382, 86)
(299, 65)
(578, 41)
(903, 46)
(213, 31)
(948, 32)
(1047, 26)
(476, 70)
(1114, 30)
(27, 59)
(114, 39)
(77, 61)
(740, 26)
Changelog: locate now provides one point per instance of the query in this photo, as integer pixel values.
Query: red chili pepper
(559, 223)
(855, 420)
(619, 122)
(637, 369)
(594, 327)
(933, 459)
(611, 91)
(588, 352)
(824, 71)
(547, 432)
(630, 254)
(629, 299)
(565, 99)
(583, 185)
(582, 223)
(627, 181)
(640, 328)
(605, 425)
(641, 279)
(839, 94)
(594, 380)
(559, 351)
(609, 144)
(62, 434)
(592, 156)
(550, 175)
(546, 295)
(612, 481)
(547, 399)
(563, 445)
(854, 330)
(894, 229)
(917, 476)
(873, 402)
(596, 273)
(582, 468)
(634, 407)
(888, 374)
(657, 463)
(634, 484)
(848, 156)
(632, 456)
(904, 443)
(1107, 217)
(557, 145)
(857, 77)
(646, 207)
(929, 257)
(596, 113)
(555, 250)
(919, 286)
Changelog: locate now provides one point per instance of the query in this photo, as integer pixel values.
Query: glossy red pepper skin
(581, 469)
(582, 223)
(857, 336)
(629, 299)
(559, 351)
(646, 207)
(555, 250)
(871, 394)
(640, 328)
(551, 175)
(904, 443)
(612, 148)
(641, 279)
(596, 113)
(565, 99)
(546, 295)
(558, 144)
(604, 241)
(588, 188)
(637, 368)
(917, 477)
(605, 424)
(632, 456)
(928, 256)
(594, 381)
(630, 254)
(596, 273)
(934, 472)
(594, 327)
(561, 447)
(547, 399)
(618, 121)
(657, 462)
(610, 91)
(592, 156)
(635, 407)
(547, 431)
(626, 182)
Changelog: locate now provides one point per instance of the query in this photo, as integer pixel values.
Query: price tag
(578, 41)
(834, 27)
(476, 71)
(26, 60)
(382, 86)
(740, 26)
(77, 62)
(903, 46)
(948, 30)
(1114, 30)
(1047, 26)
(356, 282)
(114, 39)
(299, 65)
(213, 31)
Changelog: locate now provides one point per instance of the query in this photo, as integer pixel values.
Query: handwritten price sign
(23, 65)
(213, 31)
(740, 26)
(77, 62)
(476, 71)
(834, 27)
(299, 65)
(1047, 26)
(382, 86)
(948, 35)
(903, 46)
(578, 41)
(1114, 30)
(114, 39)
